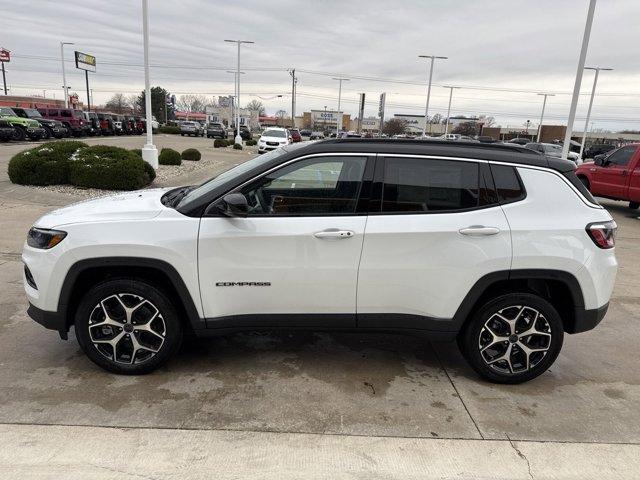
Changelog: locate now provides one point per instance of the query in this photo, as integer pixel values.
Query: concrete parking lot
(345, 405)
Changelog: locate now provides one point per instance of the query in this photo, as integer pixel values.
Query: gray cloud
(502, 45)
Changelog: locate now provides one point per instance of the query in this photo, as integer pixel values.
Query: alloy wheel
(514, 339)
(127, 328)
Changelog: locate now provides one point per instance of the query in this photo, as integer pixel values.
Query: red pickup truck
(615, 175)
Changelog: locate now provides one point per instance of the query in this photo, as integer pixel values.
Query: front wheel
(127, 326)
(19, 134)
(634, 205)
(513, 338)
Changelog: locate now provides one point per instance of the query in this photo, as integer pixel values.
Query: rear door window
(420, 185)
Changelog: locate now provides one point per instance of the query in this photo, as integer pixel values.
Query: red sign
(5, 55)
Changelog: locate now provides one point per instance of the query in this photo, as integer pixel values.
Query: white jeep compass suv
(497, 246)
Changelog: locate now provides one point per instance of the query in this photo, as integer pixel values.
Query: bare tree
(436, 119)
(256, 105)
(486, 120)
(395, 126)
(281, 114)
(466, 128)
(118, 103)
(192, 103)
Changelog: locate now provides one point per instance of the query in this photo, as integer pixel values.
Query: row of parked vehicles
(17, 123)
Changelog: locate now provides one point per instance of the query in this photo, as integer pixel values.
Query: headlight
(43, 238)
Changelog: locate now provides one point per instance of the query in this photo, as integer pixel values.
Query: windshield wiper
(179, 195)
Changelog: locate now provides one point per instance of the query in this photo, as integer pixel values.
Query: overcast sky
(506, 50)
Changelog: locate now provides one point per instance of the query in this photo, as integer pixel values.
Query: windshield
(78, 114)
(224, 177)
(274, 133)
(7, 111)
(552, 148)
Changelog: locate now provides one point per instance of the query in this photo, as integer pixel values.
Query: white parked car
(553, 150)
(273, 138)
(496, 246)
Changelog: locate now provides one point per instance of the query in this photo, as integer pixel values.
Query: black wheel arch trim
(166, 268)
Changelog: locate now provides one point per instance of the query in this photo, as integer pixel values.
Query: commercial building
(322, 120)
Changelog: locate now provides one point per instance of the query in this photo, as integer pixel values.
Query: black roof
(497, 152)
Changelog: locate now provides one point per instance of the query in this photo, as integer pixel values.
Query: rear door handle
(479, 231)
(334, 234)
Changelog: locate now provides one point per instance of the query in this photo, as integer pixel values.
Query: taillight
(603, 234)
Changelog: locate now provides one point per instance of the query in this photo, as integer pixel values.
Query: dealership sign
(5, 55)
(84, 61)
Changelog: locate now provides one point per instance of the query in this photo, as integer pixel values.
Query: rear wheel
(127, 326)
(513, 338)
(634, 205)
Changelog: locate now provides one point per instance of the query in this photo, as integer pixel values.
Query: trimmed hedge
(191, 154)
(169, 156)
(251, 143)
(137, 151)
(169, 129)
(46, 164)
(237, 146)
(219, 142)
(109, 168)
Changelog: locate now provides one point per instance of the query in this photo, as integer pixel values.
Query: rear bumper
(585, 320)
(49, 320)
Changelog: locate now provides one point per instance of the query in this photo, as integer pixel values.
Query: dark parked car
(316, 136)
(295, 135)
(486, 139)
(73, 120)
(191, 128)
(215, 129)
(6, 131)
(22, 127)
(245, 133)
(106, 124)
(51, 128)
(93, 123)
(597, 149)
(305, 133)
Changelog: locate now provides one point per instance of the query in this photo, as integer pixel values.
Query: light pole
(578, 81)
(64, 75)
(235, 92)
(544, 104)
(593, 93)
(446, 127)
(238, 138)
(149, 151)
(339, 120)
(426, 108)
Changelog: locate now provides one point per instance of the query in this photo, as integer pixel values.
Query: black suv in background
(245, 133)
(51, 128)
(215, 129)
(597, 149)
(6, 131)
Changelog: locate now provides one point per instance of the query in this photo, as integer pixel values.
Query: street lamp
(64, 76)
(544, 104)
(149, 151)
(238, 138)
(426, 108)
(339, 120)
(235, 92)
(593, 93)
(450, 87)
(578, 81)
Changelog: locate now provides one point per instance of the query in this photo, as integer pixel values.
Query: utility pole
(578, 81)
(64, 76)
(4, 79)
(593, 93)
(294, 82)
(339, 121)
(446, 126)
(544, 104)
(86, 78)
(238, 138)
(426, 108)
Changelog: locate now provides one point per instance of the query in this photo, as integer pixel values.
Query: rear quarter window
(584, 191)
(509, 186)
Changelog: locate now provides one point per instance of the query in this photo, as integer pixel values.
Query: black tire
(47, 133)
(476, 336)
(634, 205)
(167, 339)
(19, 134)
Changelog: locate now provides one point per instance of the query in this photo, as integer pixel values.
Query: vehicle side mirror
(231, 205)
(599, 160)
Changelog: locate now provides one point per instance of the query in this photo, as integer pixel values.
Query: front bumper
(35, 132)
(50, 320)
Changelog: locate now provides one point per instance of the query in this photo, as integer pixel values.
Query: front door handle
(334, 234)
(479, 231)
